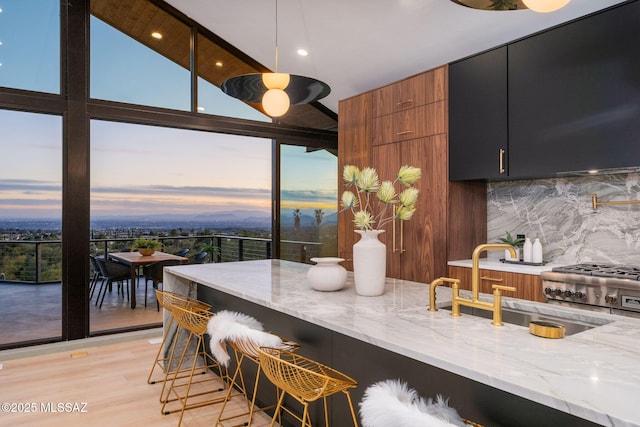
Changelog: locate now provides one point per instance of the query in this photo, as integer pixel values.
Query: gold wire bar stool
(247, 349)
(305, 380)
(180, 387)
(167, 300)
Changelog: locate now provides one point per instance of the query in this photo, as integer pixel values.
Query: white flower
(350, 174)
(409, 196)
(367, 180)
(386, 193)
(408, 175)
(363, 220)
(348, 200)
(404, 213)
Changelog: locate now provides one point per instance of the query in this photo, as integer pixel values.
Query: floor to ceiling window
(119, 105)
(308, 194)
(177, 185)
(30, 226)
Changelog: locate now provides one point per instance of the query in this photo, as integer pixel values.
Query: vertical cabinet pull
(501, 160)
(394, 249)
(402, 250)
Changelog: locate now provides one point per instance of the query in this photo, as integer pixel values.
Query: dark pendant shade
(301, 90)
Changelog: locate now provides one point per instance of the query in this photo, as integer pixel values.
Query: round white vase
(369, 263)
(327, 275)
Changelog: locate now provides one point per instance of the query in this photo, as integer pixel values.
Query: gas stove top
(601, 270)
(615, 288)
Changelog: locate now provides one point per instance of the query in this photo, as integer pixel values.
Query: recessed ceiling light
(156, 35)
(200, 108)
(302, 52)
(218, 63)
(0, 10)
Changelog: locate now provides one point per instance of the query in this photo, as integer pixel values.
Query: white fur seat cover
(391, 403)
(229, 326)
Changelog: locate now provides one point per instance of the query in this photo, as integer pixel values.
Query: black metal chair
(153, 272)
(112, 272)
(183, 252)
(200, 258)
(97, 276)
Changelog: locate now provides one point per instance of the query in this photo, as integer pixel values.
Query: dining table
(135, 259)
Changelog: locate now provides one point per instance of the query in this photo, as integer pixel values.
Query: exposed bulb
(275, 102)
(545, 5)
(275, 80)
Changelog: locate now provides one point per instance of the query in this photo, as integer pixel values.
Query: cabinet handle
(492, 279)
(406, 101)
(501, 158)
(394, 250)
(404, 132)
(402, 249)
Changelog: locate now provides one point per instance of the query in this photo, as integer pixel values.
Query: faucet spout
(475, 264)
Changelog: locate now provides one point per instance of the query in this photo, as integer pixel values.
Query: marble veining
(594, 374)
(560, 213)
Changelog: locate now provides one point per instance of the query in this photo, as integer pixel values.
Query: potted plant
(516, 242)
(147, 246)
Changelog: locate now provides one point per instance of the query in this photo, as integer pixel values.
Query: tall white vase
(369, 263)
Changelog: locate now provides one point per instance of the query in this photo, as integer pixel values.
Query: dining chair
(305, 380)
(183, 252)
(96, 277)
(199, 258)
(245, 336)
(154, 273)
(112, 271)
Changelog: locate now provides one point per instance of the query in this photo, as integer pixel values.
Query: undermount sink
(523, 318)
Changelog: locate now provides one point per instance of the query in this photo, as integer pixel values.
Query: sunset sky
(136, 169)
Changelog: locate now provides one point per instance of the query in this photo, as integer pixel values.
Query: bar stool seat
(305, 380)
(245, 336)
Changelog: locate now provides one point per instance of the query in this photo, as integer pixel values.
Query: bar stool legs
(180, 389)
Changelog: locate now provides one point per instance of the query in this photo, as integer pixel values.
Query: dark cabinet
(478, 128)
(574, 96)
(561, 101)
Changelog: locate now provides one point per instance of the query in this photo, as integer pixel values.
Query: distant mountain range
(223, 219)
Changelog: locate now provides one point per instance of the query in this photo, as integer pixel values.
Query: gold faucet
(474, 301)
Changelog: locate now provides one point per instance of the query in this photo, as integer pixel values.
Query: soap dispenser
(536, 252)
(527, 250)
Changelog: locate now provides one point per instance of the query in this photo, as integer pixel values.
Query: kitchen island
(492, 375)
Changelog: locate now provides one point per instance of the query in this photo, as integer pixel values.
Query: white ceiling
(358, 45)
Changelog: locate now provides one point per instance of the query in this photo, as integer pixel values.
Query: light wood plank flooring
(110, 378)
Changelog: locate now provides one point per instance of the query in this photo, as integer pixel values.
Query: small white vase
(508, 257)
(536, 251)
(327, 275)
(369, 263)
(527, 250)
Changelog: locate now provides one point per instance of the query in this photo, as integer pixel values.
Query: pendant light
(545, 5)
(276, 91)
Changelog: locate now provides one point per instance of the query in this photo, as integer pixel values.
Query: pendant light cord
(276, 36)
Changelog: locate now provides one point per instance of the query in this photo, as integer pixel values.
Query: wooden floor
(101, 385)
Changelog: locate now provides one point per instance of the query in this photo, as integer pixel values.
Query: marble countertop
(494, 264)
(594, 374)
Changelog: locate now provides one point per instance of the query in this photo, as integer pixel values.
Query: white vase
(508, 257)
(369, 263)
(327, 275)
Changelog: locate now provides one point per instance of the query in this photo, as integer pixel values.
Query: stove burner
(601, 270)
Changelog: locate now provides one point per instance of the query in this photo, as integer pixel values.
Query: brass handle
(404, 132)
(501, 156)
(394, 231)
(406, 101)
(402, 249)
(503, 288)
(492, 279)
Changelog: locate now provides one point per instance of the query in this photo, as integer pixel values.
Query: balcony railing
(35, 261)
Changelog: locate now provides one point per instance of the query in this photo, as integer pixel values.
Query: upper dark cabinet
(478, 117)
(561, 101)
(574, 96)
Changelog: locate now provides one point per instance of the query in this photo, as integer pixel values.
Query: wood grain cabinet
(529, 286)
(451, 217)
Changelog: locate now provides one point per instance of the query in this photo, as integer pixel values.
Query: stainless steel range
(601, 287)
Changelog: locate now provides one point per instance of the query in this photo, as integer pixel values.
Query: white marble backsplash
(559, 211)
